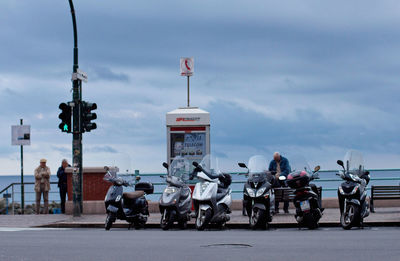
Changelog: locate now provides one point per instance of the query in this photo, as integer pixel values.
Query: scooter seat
(133, 195)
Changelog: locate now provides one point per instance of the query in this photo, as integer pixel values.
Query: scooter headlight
(354, 191)
(251, 193)
(169, 190)
(203, 187)
(260, 192)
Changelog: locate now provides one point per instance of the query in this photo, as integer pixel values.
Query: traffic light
(65, 117)
(88, 116)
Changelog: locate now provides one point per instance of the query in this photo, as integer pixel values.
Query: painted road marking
(15, 229)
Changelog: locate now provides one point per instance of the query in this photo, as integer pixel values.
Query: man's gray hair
(64, 160)
(276, 153)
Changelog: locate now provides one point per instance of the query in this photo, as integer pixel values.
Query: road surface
(381, 243)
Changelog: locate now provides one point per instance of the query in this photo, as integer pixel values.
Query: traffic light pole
(77, 132)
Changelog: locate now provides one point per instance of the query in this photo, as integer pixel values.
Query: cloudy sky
(302, 77)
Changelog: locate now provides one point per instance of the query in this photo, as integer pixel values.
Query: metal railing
(243, 181)
(7, 195)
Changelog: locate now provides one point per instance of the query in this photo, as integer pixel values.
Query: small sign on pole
(21, 135)
(187, 66)
(81, 75)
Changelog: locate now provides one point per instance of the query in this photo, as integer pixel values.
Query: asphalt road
(381, 243)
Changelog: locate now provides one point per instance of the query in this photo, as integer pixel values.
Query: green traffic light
(65, 127)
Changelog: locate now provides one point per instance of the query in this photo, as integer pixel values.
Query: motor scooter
(212, 196)
(352, 193)
(129, 206)
(175, 201)
(258, 195)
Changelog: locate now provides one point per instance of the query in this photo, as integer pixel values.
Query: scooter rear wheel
(310, 221)
(182, 224)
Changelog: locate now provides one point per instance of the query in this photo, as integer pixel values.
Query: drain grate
(228, 245)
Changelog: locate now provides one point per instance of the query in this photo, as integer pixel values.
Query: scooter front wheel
(167, 219)
(109, 220)
(203, 218)
(257, 218)
(350, 217)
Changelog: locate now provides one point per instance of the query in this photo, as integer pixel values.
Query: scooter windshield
(110, 175)
(354, 162)
(179, 168)
(210, 165)
(258, 166)
(299, 163)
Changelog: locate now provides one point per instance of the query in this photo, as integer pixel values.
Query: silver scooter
(212, 196)
(175, 202)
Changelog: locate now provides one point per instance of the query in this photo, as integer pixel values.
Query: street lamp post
(77, 132)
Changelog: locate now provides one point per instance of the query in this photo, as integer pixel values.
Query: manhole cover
(229, 245)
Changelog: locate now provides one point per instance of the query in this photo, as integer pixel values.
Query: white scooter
(212, 197)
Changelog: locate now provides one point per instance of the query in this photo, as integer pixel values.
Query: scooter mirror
(282, 178)
(340, 163)
(195, 164)
(242, 165)
(165, 165)
(317, 168)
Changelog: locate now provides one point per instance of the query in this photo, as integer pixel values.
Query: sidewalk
(382, 217)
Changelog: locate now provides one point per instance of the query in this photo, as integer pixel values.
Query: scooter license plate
(305, 205)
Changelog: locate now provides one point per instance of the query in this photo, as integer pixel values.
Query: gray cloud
(311, 74)
(104, 73)
(98, 149)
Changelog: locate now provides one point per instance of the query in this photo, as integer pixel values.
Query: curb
(228, 225)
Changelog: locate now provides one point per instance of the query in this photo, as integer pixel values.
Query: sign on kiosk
(188, 133)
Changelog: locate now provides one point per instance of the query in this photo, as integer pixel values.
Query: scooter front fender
(259, 206)
(204, 207)
(353, 201)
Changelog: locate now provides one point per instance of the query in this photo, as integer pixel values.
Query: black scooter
(307, 201)
(258, 195)
(129, 206)
(352, 196)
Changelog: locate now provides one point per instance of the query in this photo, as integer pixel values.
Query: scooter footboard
(112, 209)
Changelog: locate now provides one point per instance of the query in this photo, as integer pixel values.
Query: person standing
(42, 186)
(281, 166)
(62, 183)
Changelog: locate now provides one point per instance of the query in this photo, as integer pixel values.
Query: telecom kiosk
(188, 128)
(188, 133)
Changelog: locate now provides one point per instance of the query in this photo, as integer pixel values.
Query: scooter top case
(147, 187)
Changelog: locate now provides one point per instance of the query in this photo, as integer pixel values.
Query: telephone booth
(188, 134)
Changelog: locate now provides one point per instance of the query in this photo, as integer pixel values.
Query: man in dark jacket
(281, 166)
(62, 183)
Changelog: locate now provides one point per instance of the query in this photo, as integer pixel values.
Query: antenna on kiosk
(187, 69)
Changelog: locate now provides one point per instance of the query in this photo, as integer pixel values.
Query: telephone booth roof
(188, 116)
